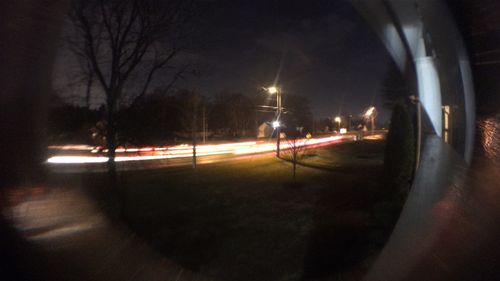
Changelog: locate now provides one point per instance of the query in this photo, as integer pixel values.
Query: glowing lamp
(272, 90)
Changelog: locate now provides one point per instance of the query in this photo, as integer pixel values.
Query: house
(264, 131)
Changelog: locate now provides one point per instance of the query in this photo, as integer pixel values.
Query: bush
(399, 158)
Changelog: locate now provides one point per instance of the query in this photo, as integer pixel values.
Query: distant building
(264, 131)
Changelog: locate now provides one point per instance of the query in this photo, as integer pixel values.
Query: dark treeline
(164, 119)
(73, 124)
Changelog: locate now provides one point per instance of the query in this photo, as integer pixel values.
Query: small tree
(296, 142)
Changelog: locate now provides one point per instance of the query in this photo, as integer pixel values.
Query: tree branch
(89, 46)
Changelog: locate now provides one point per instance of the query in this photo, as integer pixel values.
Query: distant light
(272, 90)
(276, 124)
(375, 137)
(338, 119)
(343, 131)
(72, 147)
(370, 112)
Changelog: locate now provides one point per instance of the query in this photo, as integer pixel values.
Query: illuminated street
(88, 159)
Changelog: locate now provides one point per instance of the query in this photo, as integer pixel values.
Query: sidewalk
(69, 239)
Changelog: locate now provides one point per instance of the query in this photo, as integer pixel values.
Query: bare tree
(296, 147)
(130, 38)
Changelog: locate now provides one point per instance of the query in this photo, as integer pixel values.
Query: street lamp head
(370, 112)
(272, 90)
(276, 124)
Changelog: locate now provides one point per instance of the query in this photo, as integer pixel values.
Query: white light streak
(185, 151)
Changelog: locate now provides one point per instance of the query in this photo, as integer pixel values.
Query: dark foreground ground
(249, 220)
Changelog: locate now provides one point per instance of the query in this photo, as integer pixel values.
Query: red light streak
(185, 151)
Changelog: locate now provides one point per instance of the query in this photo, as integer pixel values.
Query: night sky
(324, 49)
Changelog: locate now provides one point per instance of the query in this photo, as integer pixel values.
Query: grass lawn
(248, 221)
(362, 155)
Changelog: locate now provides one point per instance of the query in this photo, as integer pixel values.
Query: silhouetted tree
(233, 113)
(394, 88)
(296, 140)
(127, 38)
(153, 120)
(298, 111)
(71, 124)
(399, 157)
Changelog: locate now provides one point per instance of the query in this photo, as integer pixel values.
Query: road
(81, 158)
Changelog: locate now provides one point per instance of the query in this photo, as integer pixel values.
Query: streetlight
(276, 124)
(338, 120)
(370, 114)
(272, 90)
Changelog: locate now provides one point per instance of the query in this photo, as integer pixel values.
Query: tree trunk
(90, 80)
(111, 144)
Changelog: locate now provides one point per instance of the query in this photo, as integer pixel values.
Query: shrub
(399, 158)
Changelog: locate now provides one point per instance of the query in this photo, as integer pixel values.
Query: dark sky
(324, 49)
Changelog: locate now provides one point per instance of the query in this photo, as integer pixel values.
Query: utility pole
(276, 123)
(194, 128)
(278, 129)
(204, 126)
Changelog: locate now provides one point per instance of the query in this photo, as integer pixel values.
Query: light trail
(375, 137)
(186, 151)
(72, 147)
